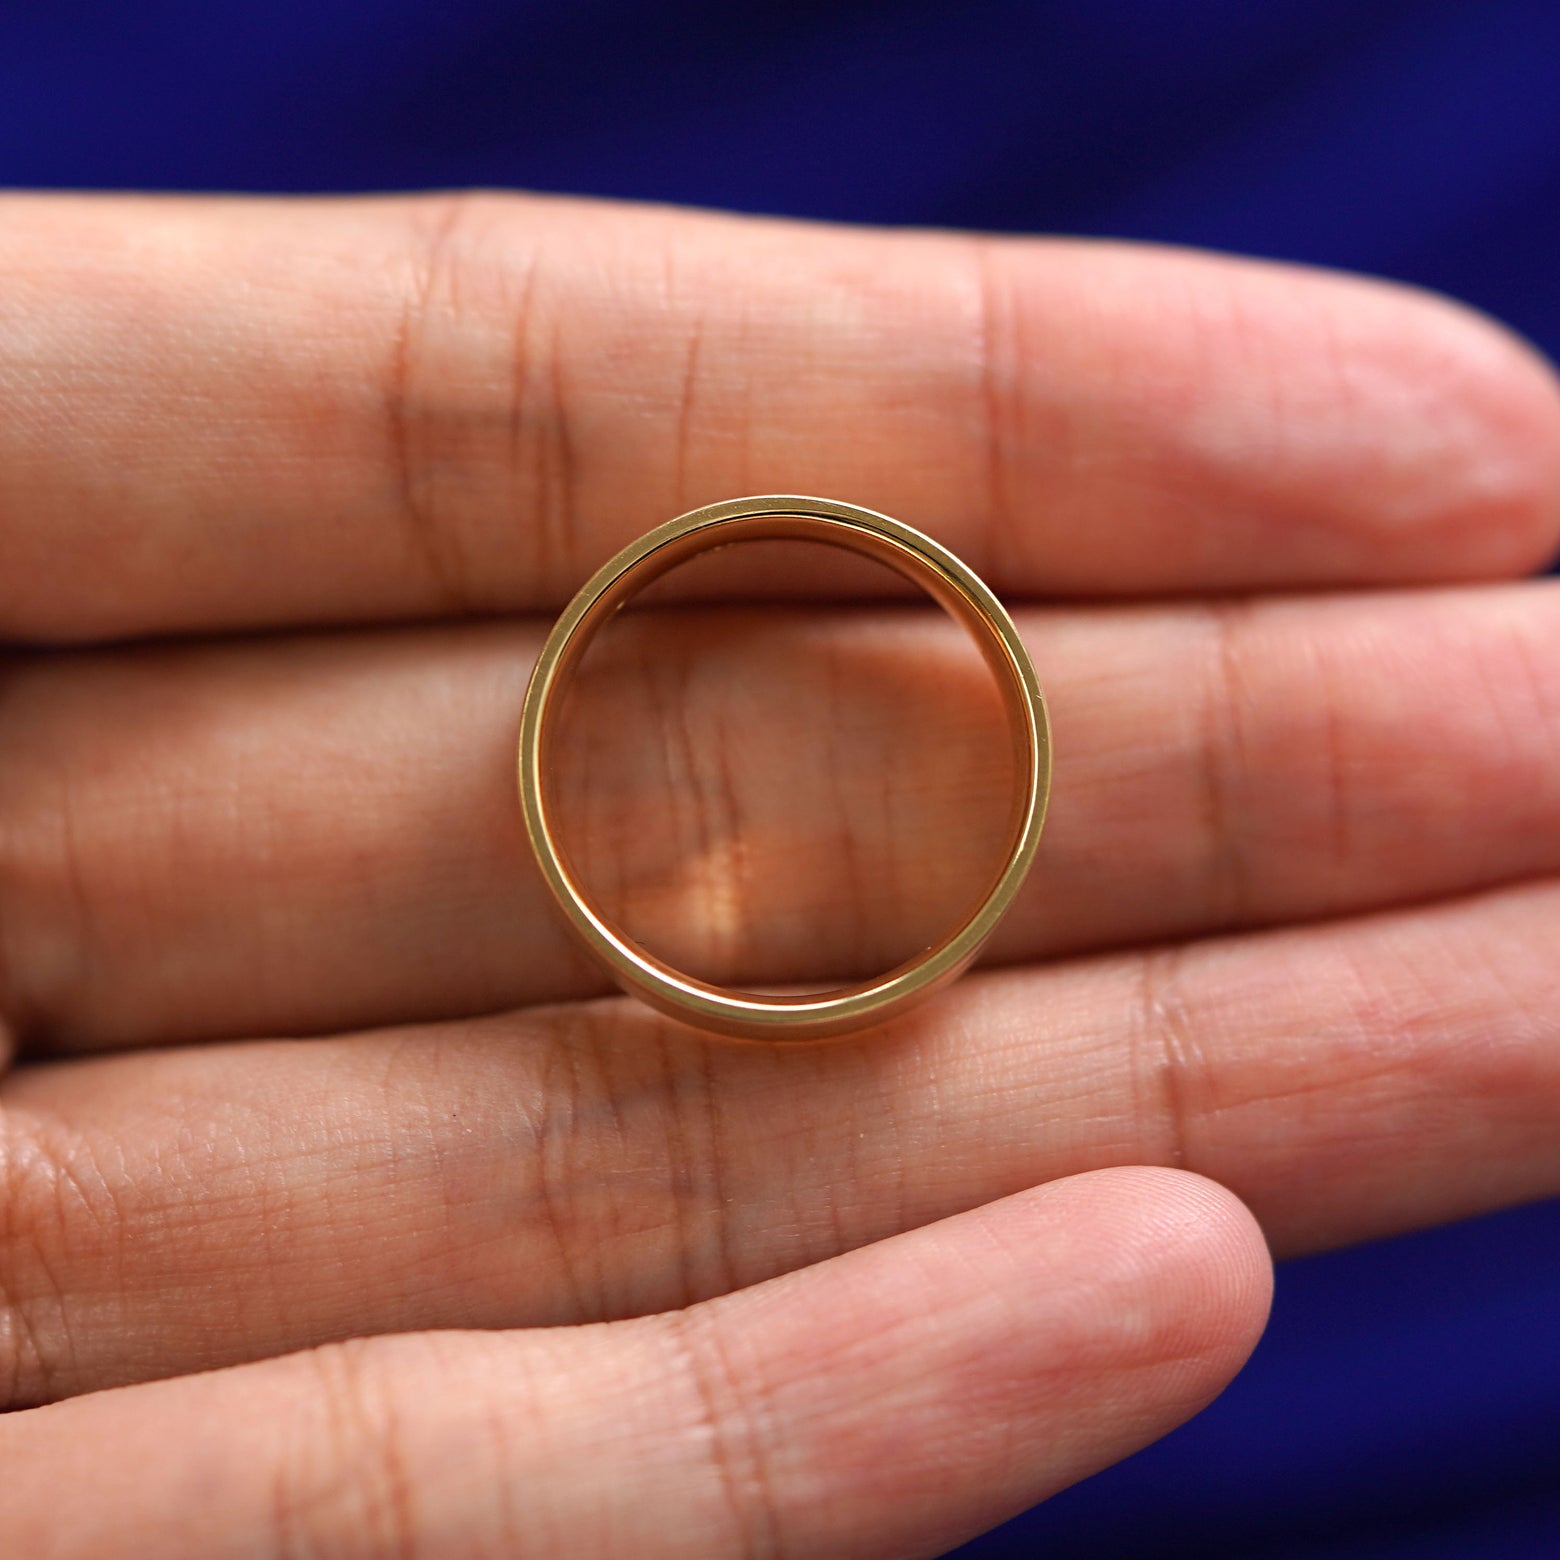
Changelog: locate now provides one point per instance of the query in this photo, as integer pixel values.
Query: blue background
(1406, 1402)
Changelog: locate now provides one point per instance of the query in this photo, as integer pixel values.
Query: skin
(344, 1212)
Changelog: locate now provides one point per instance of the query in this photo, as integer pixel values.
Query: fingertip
(1434, 428)
(1223, 1256)
(1190, 1243)
(1277, 425)
(1498, 399)
(934, 1384)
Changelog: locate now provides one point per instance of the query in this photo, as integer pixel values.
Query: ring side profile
(788, 1016)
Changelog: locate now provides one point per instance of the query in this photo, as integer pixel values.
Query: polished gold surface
(763, 1015)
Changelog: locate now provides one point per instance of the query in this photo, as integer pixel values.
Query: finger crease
(1225, 765)
(43, 1192)
(685, 408)
(729, 1424)
(1168, 1054)
(413, 474)
(993, 415)
(558, 474)
(11, 1020)
(372, 1489)
(557, 1135)
(692, 1170)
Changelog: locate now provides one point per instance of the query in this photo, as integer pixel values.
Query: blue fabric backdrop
(1406, 1402)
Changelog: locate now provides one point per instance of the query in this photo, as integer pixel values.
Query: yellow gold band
(761, 1015)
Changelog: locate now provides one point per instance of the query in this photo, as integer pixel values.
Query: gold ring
(762, 1015)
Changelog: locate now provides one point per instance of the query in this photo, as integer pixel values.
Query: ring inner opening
(775, 796)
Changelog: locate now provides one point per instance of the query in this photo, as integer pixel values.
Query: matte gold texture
(765, 1015)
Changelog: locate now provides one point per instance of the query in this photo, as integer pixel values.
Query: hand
(1292, 928)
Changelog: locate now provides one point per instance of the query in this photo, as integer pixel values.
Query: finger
(310, 836)
(172, 1211)
(240, 413)
(895, 1401)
